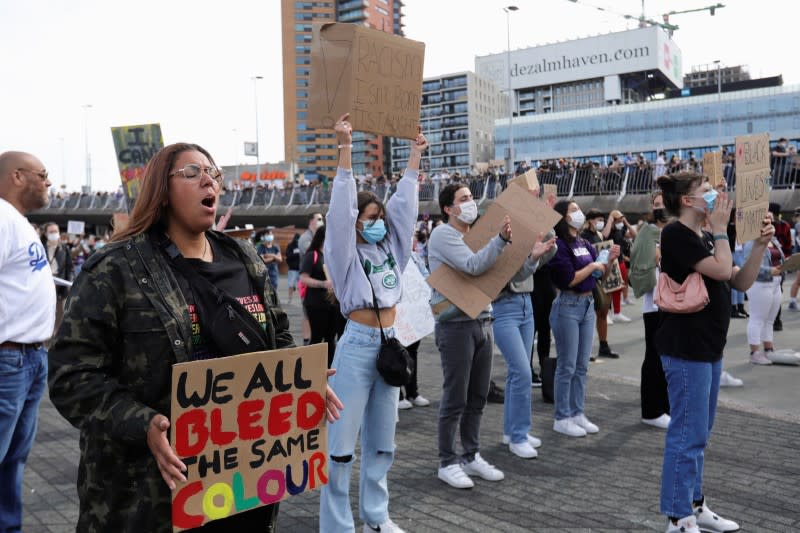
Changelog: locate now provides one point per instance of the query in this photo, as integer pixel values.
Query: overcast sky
(188, 64)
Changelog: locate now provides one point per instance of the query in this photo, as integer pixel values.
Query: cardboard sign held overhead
(529, 180)
(752, 185)
(373, 75)
(550, 189)
(251, 430)
(529, 217)
(712, 167)
(135, 145)
(497, 162)
(75, 227)
(481, 167)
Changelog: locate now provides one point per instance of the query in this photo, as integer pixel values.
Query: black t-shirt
(312, 265)
(229, 274)
(293, 256)
(592, 236)
(699, 336)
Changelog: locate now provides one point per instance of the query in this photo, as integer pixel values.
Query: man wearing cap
(271, 254)
(27, 316)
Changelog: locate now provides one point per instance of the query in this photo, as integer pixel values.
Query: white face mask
(619, 225)
(576, 219)
(600, 225)
(53, 237)
(469, 212)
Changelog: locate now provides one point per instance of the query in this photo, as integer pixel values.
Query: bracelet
(345, 146)
(720, 237)
(507, 241)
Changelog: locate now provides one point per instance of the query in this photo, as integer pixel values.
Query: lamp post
(508, 10)
(88, 156)
(719, 102)
(258, 147)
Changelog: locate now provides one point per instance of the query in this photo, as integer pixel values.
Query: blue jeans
(572, 320)
(513, 334)
(693, 388)
(737, 297)
(371, 406)
(23, 377)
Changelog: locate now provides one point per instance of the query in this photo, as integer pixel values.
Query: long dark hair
(153, 200)
(317, 240)
(562, 228)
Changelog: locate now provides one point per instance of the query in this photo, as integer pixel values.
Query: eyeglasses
(43, 174)
(193, 171)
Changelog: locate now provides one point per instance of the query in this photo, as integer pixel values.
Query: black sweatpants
(327, 324)
(544, 292)
(655, 401)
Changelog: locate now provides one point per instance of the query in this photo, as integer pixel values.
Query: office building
(314, 151)
(457, 116)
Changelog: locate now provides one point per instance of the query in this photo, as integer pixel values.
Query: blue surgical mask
(710, 198)
(373, 232)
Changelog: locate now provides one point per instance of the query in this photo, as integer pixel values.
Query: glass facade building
(676, 125)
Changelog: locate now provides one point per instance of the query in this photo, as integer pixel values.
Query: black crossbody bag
(230, 326)
(394, 364)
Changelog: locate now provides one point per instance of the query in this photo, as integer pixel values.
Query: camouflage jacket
(126, 323)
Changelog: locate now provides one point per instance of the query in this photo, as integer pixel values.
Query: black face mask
(659, 214)
(422, 238)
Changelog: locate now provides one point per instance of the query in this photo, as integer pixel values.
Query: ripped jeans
(371, 406)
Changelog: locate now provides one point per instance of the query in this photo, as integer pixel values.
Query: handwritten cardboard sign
(250, 429)
(414, 318)
(791, 264)
(550, 189)
(529, 217)
(529, 181)
(373, 75)
(497, 163)
(712, 167)
(752, 185)
(613, 282)
(135, 145)
(481, 166)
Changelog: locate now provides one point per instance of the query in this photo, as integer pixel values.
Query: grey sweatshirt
(447, 246)
(385, 260)
(522, 281)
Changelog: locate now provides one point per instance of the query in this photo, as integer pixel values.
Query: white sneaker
(608, 320)
(707, 520)
(662, 422)
(687, 524)
(759, 358)
(523, 449)
(627, 301)
(455, 476)
(479, 467)
(533, 441)
(419, 401)
(619, 317)
(726, 380)
(568, 428)
(404, 404)
(582, 422)
(385, 527)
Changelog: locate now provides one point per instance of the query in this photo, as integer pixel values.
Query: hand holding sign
(767, 232)
(344, 130)
(421, 143)
(169, 465)
(332, 402)
(505, 231)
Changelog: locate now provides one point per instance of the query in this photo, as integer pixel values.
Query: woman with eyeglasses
(366, 247)
(130, 316)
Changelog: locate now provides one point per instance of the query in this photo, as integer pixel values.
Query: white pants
(765, 301)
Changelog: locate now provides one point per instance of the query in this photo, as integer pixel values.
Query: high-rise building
(314, 150)
(458, 114)
(708, 75)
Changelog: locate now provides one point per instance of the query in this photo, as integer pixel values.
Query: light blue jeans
(513, 334)
(23, 377)
(737, 297)
(572, 321)
(693, 389)
(371, 406)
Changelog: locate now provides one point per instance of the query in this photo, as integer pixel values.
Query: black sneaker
(777, 326)
(495, 395)
(605, 351)
(536, 381)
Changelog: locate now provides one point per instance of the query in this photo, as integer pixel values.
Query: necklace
(205, 246)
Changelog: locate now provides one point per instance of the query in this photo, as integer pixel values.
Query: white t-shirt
(27, 291)
(649, 304)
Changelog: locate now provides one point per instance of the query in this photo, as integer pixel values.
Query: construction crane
(644, 21)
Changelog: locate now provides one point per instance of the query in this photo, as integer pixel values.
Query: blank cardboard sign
(373, 75)
(529, 217)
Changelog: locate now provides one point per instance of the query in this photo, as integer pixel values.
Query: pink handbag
(689, 297)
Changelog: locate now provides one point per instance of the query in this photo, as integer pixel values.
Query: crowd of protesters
(353, 313)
